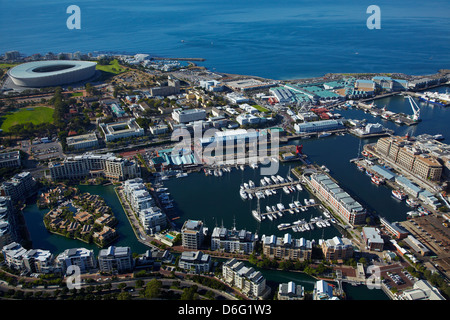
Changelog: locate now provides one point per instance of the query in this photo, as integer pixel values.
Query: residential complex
(188, 115)
(290, 291)
(118, 259)
(248, 280)
(19, 187)
(239, 241)
(192, 234)
(337, 249)
(287, 248)
(340, 201)
(93, 165)
(195, 261)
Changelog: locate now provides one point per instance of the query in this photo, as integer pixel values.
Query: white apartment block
(81, 257)
(195, 261)
(241, 241)
(115, 259)
(92, 165)
(153, 220)
(248, 280)
(13, 254)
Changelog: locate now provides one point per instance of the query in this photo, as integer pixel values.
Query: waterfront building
(10, 159)
(407, 155)
(323, 291)
(13, 255)
(229, 137)
(121, 129)
(192, 234)
(394, 228)
(153, 219)
(307, 116)
(19, 187)
(81, 257)
(318, 126)
(7, 222)
(421, 290)
(93, 165)
(372, 239)
(189, 115)
(195, 261)
(291, 291)
(137, 195)
(286, 248)
(115, 259)
(283, 95)
(248, 280)
(337, 249)
(82, 141)
(39, 261)
(239, 241)
(212, 85)
(341, 202)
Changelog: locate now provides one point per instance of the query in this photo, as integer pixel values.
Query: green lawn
(113, 67)
(260, 109)
(35, 115)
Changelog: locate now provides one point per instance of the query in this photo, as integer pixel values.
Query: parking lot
(396, 276)
(46, 151)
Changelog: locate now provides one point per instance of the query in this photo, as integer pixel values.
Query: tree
(152, 289)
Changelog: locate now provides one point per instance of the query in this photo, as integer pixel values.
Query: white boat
(296, 210)
(280, 214)
(311, 226)
(263, 182)
(268, 181)
(297, 203)
(274, 208)
(269, 216)
(274, 179)
(274, 215)
(291, 205)
(267, 192)
(290, 179)
(181, 175)
(280, 178)
(306, 226)
(291, 211)
(326, 214)
(319, 224)
(306, 202)
(312, 201)
(280, 206)
(299, 187)
(283, 225)
(250, 196)
(286, 190)
(268, 209)
(243, 195)
(251, 184)
(246, 186)
(327, 223)
(256, 215)
(273, 191)
(324, 134)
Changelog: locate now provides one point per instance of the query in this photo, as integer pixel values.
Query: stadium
(51, 73)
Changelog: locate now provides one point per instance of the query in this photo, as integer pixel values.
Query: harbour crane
(415, 108)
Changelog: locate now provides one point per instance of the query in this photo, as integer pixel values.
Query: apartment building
(13, 254)
(372, 239)
(93, 165)
(115, 259)
(19, 187)
(81, 257)
(83, 141)
(39, 261)
(121, 129)
(290, 291)
(248, 280)
(153, 219)
(192, 234)
(286, 248)
(195, 261)
(337, 249)
(232, 240)
(189, 115)
(341, 202)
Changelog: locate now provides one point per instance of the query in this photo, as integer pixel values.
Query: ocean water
(274, 39)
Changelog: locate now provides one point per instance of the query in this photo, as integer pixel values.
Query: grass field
(35, 115)
(7, 65)
(113, 67)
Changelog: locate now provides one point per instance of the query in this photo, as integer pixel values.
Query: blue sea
(282, 39)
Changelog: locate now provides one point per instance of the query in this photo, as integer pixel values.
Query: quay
(272, 186)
